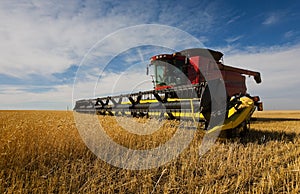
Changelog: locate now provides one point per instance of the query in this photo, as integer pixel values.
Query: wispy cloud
(233, 39)
(271, 19)
(233, 19)
(275, 17)
(291, 34)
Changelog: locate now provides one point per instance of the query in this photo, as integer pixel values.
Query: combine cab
(192, 84)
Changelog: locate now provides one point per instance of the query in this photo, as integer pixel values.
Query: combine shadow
(262, 136)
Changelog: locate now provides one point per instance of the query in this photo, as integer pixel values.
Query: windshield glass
(168, 74)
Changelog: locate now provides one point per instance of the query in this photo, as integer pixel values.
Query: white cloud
(280, 74)
(17, 97)
(47, 37)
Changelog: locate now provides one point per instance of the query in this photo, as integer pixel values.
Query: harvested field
(42, 152)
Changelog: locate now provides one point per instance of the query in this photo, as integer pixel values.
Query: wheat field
(42, 152)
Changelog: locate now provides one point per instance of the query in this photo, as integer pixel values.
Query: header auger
(191, 84)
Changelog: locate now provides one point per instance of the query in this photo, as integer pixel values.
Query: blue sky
(43, 44)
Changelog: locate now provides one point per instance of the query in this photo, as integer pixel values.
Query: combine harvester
(187, 85)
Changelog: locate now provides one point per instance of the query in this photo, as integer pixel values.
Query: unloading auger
(186, 86)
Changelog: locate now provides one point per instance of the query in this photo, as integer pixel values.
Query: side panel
(234, 83)
(193, 70)
(202, 67)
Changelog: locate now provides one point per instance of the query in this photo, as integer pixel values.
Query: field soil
(43, 152)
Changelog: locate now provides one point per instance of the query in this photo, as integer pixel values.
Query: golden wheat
(42, 152)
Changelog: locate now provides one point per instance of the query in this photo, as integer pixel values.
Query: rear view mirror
(147, 70)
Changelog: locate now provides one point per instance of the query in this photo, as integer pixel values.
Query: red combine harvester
(192, 84)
